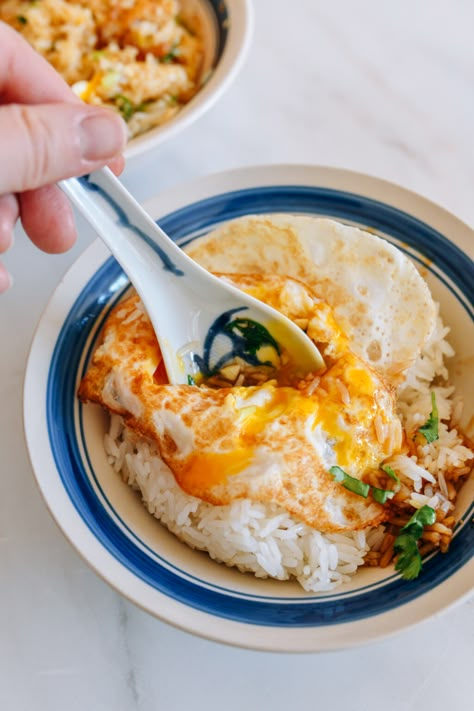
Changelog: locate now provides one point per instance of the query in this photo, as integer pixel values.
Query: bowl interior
(114, 513)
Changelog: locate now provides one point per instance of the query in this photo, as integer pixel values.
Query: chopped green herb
(430, 429)
(22, 19)
(409, 562)
(349, 482)
(360, 487)
(424, 516)
(388, 470)
(126, 108)
(171, 55)
(97, 54)
(382, 495)
(409, 559)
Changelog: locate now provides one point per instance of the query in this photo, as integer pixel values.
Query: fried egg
(378, 297)
(266, 443)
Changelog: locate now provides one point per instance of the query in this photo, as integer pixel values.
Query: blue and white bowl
(227, 31)
(106, 521)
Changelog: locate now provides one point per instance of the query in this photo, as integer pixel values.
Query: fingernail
(102, 136)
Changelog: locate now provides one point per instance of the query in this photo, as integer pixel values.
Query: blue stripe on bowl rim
(221, 13)
(78, 335)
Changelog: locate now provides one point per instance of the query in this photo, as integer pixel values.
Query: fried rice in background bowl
(106, 520)
(159, 63)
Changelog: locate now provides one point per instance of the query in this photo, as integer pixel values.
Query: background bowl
(106, 521)
(227, 26)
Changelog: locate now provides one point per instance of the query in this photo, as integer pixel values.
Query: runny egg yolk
(204, 470)
(347, 413)
(337, 418)
(344, 406)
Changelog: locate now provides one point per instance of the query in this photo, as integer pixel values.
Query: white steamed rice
(263, 538)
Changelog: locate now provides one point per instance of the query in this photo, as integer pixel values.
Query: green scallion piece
(381, 496)
(125, 106)
(171, 55)
(350, 482)
(389, 471)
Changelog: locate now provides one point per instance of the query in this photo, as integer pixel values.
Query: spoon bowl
(201, 322)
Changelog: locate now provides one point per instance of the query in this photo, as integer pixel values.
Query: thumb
(45, 143)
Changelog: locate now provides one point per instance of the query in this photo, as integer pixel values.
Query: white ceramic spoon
(191, 310)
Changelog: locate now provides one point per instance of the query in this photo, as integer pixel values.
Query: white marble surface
(380, 87)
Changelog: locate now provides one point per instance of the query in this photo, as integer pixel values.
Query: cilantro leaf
(430, 429)
(425, 516)
(409, 561)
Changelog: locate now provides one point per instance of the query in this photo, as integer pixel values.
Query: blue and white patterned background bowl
(106, 521)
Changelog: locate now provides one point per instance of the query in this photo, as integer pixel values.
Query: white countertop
(384, 88)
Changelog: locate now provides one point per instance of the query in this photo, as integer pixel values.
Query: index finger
(25, 76)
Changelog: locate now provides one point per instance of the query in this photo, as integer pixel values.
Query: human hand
(46, 134)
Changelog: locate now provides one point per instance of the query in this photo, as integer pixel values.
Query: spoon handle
(138, 243)
(151, 260)
(124, 226)
(182, 310)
